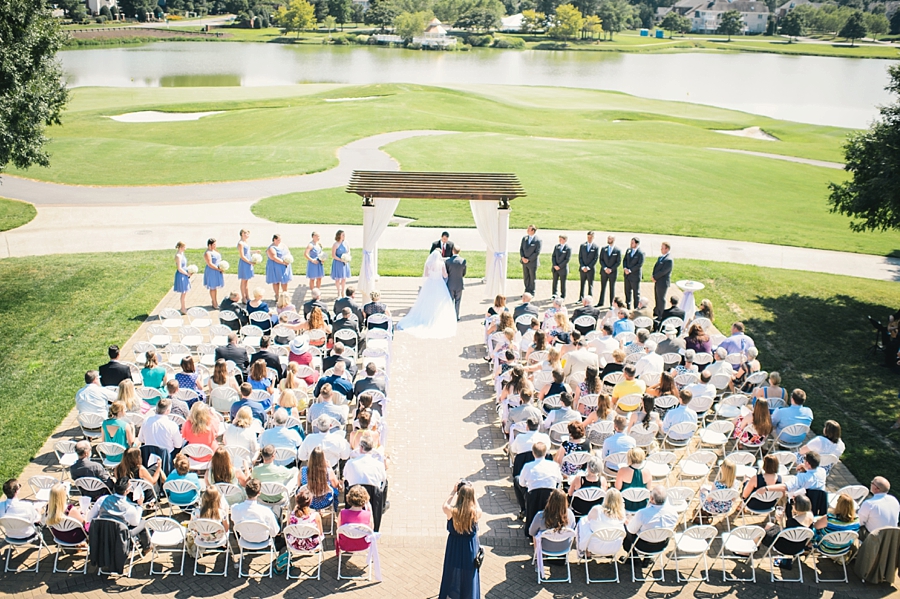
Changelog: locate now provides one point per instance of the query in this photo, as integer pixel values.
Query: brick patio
(443, 427)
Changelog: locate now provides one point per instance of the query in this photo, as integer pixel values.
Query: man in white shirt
(540, 473)
(13, 507)
(579, 359)
(334, 444)
(720, 366)
(605, 343)
(251, 511)
(651, 363)
(365, 469)
(525, 441)
(680, 414)
(619, 442)
(703, 388)
(658, 514)
(160, 431)
(279, 435)
(93, 398)
(881, 510)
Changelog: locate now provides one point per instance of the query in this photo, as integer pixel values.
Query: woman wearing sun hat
(299, 353)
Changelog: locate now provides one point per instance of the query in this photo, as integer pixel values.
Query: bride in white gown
(433, 316)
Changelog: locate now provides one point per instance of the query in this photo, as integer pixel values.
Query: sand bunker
(154, 116)
(751, 132)
(352, 99)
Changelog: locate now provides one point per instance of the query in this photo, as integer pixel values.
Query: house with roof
(792, 4)
(706, 17)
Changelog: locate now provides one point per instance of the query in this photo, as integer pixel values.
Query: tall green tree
(32, 92)
(872, 194)
(674, 22)
(533, 20)
(877, 24)
(732, 23)
(357, 12)
(591, 25)
(792, 25)
(615, 15)
(447, 11)
(296, 15)
(895, 23)
(341, 10)
(855, 27)
(382, 13)
(411, 24)
(566, 22)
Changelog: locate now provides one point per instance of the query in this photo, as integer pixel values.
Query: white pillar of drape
(493, 225)
(375, 220)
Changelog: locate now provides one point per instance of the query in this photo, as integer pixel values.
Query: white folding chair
(91, 425)
(229, 319)
(14, 532)
(672, 321)
(250, 548)
(591, 496)
(694, 542)
(660, 464)
(65, 456)
(680, 435)
(613, 378)
(680, 499)
(176, 352)
(763, 495)
(701, 358)
(643, 322)
(566, 535)
(170, 318)
(139, 351)
(109, 452)
(178, 420)
(272, 489)
(200, 318)
(856, 492)
(636, 495)
(729, 407)
(585, 323)
(158, 336)
(756, 379)
(139, 485)
(198, 455)
(666, 402)
(190, 336)
(67, 525)
(41, 485)
(721, 496)
(221, 399)
(91, 485)
(629, 403)
(207, 353)
(218, 334)
(795, 430)
(251, 335)
(793, 535)
(240, 456)
(551, 402)
(846, 539)
(180, 487)
(166, 536)
(211, 538)
(598, 432)
(741, 545)
(656, 536)
(304, 531)
(686, 378)
(697, 465)
(356, 531)
(261, 320)
(613, 536)
(716, 433)
(576, 459)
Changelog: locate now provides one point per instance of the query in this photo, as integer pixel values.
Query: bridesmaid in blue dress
(340, 267)
(278, 272)
(213, 279)
(182, 276)
(315, 266)
(461, 579)
(245, 266)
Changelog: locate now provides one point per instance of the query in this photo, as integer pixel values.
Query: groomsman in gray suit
(610, 258)
(662, 275)
(587, 262)
(562, 253)
(530, 256)
(632, 266)
(456, 271)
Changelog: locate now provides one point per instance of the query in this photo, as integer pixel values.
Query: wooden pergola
(488, 194)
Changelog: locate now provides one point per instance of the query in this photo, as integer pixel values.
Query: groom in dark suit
(444, 244)
(456, 270)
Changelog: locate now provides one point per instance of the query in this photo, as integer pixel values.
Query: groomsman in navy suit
(562, 253)
(587, 263)
(662, 275)
(632, 266)
(610, 258)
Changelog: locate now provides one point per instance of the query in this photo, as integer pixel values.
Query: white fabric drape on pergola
(488, 194)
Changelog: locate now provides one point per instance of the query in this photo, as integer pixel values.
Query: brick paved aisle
(443, 427)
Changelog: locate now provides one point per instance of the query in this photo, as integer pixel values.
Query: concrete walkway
(156, 217)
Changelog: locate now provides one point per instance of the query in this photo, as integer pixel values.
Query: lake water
(828, 91)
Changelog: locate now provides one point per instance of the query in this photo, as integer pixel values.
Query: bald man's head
(881, 483)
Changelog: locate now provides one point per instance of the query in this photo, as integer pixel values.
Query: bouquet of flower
(346, 258)
(255, 258)
(192, 269)
(224, 265)
(288, 259)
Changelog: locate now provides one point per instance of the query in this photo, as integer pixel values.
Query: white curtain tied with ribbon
(493, 226)
(375, 220)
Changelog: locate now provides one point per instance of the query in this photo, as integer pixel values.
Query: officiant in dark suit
(562, 253)
(444, 244)
(456, 272)
(662, 274)
(530, 257)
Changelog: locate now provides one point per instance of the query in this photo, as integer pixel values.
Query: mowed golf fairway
(588, 159)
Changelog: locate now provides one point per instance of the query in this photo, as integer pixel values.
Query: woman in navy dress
(213, 279)
(315, 266)
(245, 266)
(461, 579)
(182, 276)
(340, 266)
(278, 272)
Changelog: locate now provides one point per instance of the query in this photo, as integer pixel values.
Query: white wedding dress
(433, 316)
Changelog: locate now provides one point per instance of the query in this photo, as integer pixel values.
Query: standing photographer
(460, 579)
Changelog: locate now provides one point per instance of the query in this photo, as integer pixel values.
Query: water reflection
(833, 91)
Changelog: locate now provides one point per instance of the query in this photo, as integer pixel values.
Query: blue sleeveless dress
(245, 271)
(278, 273)
(182, 281)
(315, 269)
(340, 270)
(212, 278)
(460, 579)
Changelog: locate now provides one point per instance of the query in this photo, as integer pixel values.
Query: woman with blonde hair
(154, 375)
(222, 470)
(705, 310)
(129, 398)
(632, 476)
(221, 377)
(117, 430)
(58, 507)
(773, 390)
(283, 303)
(240, 432)
(756, 425)
(842, 519)
(727, 479)
(561, 332)
(212, 507)
(460, 576)
(200, 429)
(611, 514)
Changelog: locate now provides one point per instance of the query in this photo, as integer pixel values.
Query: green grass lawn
(62, 311)
(15, 214)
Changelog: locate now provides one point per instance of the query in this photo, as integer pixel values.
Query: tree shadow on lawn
(821, 345)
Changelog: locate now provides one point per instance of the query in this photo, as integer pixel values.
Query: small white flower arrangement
(346, 258)
(255, 259)
(288, 259)
(192, 269)
(223, 265)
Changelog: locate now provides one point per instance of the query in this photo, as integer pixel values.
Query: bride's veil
(434, 265)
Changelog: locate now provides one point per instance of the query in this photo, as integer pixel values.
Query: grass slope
(15, 214)
(62, 311)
